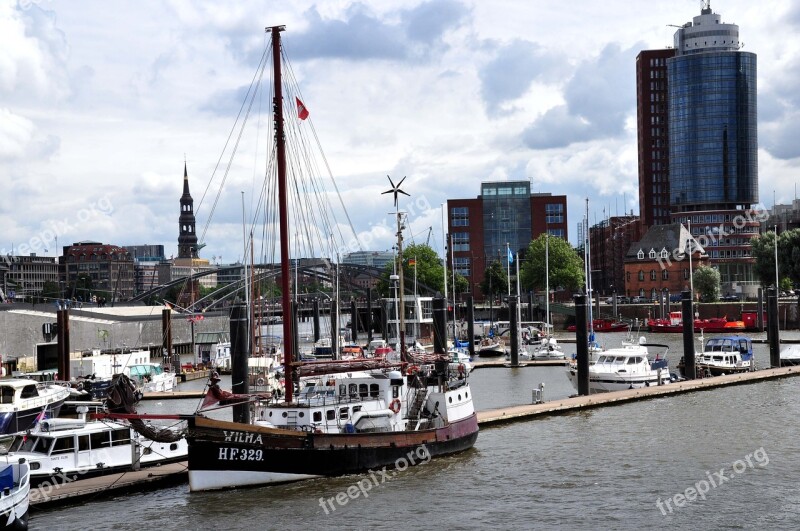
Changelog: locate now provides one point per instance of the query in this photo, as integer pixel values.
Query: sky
(101, 103)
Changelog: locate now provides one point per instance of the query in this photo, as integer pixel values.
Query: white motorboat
(547, 349)
(490, 347)
(15, 487)
(151, 377)
(625, 367)
(23, 401)
(724, 355)
(61, 450)
(790, 356)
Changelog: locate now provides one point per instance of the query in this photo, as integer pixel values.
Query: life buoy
(260, 381)
(412, 369)
(395, 406)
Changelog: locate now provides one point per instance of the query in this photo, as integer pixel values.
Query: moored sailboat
(347, 416)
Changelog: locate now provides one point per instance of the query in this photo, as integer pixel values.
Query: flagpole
(508, 267)
(444, 263)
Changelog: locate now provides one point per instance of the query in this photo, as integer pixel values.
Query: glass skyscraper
(713, 141)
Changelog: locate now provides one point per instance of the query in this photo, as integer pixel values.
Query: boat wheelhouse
(625, 367)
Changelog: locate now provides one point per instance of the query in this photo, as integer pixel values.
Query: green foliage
(786, 284)
(50, 291)
(495, 279)
(564, 263)
(429, 271)
(707, 282)
(763, 250)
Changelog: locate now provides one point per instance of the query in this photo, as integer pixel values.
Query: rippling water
(602, 468)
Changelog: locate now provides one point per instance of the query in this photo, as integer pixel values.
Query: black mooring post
(353, 322)
(614, 309)
(369, 316)
(315, 310)
(512, 309)
(240, 383)
(334, 329)
(689, 370)
(295, 331)
(582, 345)
(772, 324)
(62, 320)
(471, 325)
(666, 303)
(760, 310)
(439, 326)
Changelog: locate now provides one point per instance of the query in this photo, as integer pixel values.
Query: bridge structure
(324, 274)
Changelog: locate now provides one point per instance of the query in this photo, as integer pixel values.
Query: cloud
(510, 73)
(429, 21)
(598, 99)
(33, 62)
(19, 139)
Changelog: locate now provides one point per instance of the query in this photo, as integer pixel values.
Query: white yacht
(23, 401)
(625, 367)
(15, 487)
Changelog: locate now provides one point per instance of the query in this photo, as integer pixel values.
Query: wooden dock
(174, 473)
(506, 363)
(493, 417)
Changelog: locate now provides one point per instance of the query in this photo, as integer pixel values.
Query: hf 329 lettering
(240, 454)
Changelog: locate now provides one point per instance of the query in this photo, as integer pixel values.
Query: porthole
(284, 414)
(301, 414)
(450, 399)
(466, 394)
(459, 398)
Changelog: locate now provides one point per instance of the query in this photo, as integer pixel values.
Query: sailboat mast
(402, 332)
(283, 212)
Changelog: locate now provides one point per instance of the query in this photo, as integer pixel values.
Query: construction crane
(428, 239)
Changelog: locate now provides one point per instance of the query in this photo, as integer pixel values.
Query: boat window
(717, 358)
(173, 447)
(100, 440)
(743, 347)
(395, 391)
(356, 409)
(330, 414)
(83, 443)
(147, 450)
(318, 416)
(29, 391)
(632, 361)
(342, 389)
(620, 359)
(120, 437)
(374, 390)
(64, 445)
(728, 346)
(31, 444)
(363, 390)
(343, 414)
(353, 388)
(6, 395)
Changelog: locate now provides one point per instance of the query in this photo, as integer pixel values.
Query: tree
(707, 283)
(495, 279)
(789, 255)
(564, 264)
(50, 291)
(429, 271)
(763, 250)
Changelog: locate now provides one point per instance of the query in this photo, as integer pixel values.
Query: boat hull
(23, 420)
(607, 383)
(227, 454)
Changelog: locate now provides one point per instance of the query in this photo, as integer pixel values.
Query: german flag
(412, 262)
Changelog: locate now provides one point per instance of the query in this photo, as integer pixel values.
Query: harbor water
(724, 458)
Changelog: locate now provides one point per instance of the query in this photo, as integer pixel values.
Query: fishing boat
(15, 487)
(61, 450)
(23, 401)
(674, 324)
(625, 367)
(358, 415)
(605, 325)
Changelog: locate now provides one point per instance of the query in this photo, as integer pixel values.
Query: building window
(628, 276)
(685, 274)
(640, 255)
(559, 233)
(460, 241)
(652, 274)
(641, 276)
(459, 217)
(664, 253)
(461, 265)
(652, 253)
(554, 213)
(664, 274)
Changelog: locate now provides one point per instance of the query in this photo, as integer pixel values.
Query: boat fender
(395, 406)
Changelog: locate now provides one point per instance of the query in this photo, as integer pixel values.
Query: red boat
(605, 325)
(675, 324)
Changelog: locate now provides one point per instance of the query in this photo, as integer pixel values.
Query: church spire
(187, 237)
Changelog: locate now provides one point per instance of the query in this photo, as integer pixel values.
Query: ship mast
(395, 190)
(283, 213)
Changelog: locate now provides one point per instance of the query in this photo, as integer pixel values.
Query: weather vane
(395, 189)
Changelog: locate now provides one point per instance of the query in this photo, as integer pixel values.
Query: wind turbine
(395, 189)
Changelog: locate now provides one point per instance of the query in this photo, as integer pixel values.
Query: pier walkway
(497, 416)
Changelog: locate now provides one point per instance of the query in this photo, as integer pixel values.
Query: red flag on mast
(302, 112)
